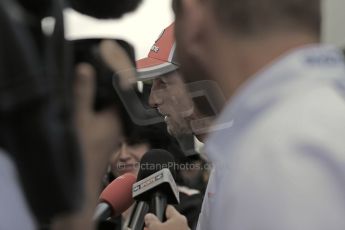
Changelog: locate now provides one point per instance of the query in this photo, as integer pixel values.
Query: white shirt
(14, 212)
(281, 166)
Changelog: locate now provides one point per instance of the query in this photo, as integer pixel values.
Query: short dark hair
(252, 16)
(259, 16)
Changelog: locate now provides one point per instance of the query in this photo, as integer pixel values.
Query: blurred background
(141, 28)
(153, 15)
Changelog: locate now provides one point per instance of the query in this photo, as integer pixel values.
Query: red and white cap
(161, 58)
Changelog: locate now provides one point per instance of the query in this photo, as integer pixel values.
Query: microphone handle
(103, 212)
(159, 204)
(136, 220)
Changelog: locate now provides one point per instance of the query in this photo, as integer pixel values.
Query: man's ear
(190, 21)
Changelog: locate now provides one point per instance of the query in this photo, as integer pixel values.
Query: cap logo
(155, 48)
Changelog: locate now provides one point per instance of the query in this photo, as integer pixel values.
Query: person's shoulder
(316, 115)
(320, 103)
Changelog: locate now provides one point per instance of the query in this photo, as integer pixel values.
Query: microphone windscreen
(155, 160)
(118, 194)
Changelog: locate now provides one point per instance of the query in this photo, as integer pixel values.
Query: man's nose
(155, 98)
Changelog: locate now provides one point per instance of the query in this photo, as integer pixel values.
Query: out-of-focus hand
(119, 62)
(99, 134)
(175, 221)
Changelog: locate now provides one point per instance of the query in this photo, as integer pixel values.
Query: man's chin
(170, 131)
(177, 131)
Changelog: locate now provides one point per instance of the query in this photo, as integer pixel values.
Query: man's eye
(164, 80)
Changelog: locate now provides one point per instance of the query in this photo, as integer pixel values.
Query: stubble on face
(178, 126)
(174, 103)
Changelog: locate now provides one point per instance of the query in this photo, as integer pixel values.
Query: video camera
(35, 100)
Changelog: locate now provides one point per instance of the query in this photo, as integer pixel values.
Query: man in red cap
(169, 93)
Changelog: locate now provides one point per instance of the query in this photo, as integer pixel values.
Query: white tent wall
(143, 26)
(140, 28)
(333, 22)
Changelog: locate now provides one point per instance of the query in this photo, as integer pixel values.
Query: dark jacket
(35, 107)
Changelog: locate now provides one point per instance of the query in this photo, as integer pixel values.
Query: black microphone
(136, 219)
(155, 187)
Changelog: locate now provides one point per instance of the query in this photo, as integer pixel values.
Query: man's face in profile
(169, 95)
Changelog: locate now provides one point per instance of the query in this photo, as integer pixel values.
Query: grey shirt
(14, 211)
(281, 166)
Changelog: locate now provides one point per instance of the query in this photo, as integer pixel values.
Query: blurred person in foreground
(281, 163)
(41, 162)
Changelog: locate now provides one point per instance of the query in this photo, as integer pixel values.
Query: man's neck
(200, 124)
(242, 59)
